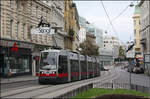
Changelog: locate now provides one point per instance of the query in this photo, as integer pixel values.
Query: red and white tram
(60, 66)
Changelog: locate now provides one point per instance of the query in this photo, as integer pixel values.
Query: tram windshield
(48, 61)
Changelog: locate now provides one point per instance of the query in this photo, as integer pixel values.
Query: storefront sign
(14, 48)
(42, 30)
(20, 45)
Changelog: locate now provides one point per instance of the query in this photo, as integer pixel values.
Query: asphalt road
(138, 79)
(33, 90)
(18, 85)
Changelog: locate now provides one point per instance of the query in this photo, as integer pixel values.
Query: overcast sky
(94, 13)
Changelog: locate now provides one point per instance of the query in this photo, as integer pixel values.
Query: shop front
(15, 63)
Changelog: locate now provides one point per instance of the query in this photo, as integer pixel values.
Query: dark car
(138, 70)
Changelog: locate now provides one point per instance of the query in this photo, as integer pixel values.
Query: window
(17, 29)
(90, 66)
(134, 32)
(74, 66)
(83, 66)
(17, 4)
(134, 22)
(42, 12)
(29, 32)
(47, 15)
(18, 64)
(23, 30)
(11, 27)
(48, 61)
(31, 8)
(11, 3)
(23, 7)
(36, 11)
(63, 64)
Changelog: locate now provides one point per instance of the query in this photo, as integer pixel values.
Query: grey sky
(94, 13)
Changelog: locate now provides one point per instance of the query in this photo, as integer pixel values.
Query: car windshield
(48, 60)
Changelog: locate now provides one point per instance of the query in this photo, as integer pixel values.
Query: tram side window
(74, 65)
(83, 66)
(90, 66)
(63, 64)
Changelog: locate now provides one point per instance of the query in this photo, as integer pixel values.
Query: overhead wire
(109, 19)
(115, 18)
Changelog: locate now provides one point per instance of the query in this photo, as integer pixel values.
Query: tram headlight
(54, 72)
(41, 72)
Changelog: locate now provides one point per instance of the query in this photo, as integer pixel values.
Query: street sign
(42, 30)
(147, 58)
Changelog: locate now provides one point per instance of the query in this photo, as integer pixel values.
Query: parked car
(138, 70)
(103, 69)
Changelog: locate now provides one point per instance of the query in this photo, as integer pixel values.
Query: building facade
(99, 37)
(76, 27)
(145, 30)
(71, 24)
(91, 38)
(98, 33)
(57, 21)
(145, 26)
(82, 33)
(136, 19)
(112, 43)
(106, 57)
(18, 17)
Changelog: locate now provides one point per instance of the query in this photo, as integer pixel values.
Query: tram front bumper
(48, 79)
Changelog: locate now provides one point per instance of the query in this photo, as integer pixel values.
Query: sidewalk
(17, 79)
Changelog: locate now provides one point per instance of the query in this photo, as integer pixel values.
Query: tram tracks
(47, 89)
(60, 91)
(17, 85)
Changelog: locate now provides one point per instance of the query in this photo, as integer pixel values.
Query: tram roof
(53, 50)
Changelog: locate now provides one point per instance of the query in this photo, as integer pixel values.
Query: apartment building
(71, 24)
(18, 17)
(136, 19)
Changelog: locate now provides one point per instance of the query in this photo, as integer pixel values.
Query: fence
(74, 92)
(122, 86)
(111, 85)
(107, 86)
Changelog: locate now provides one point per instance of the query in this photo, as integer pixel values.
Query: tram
(61, 66)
